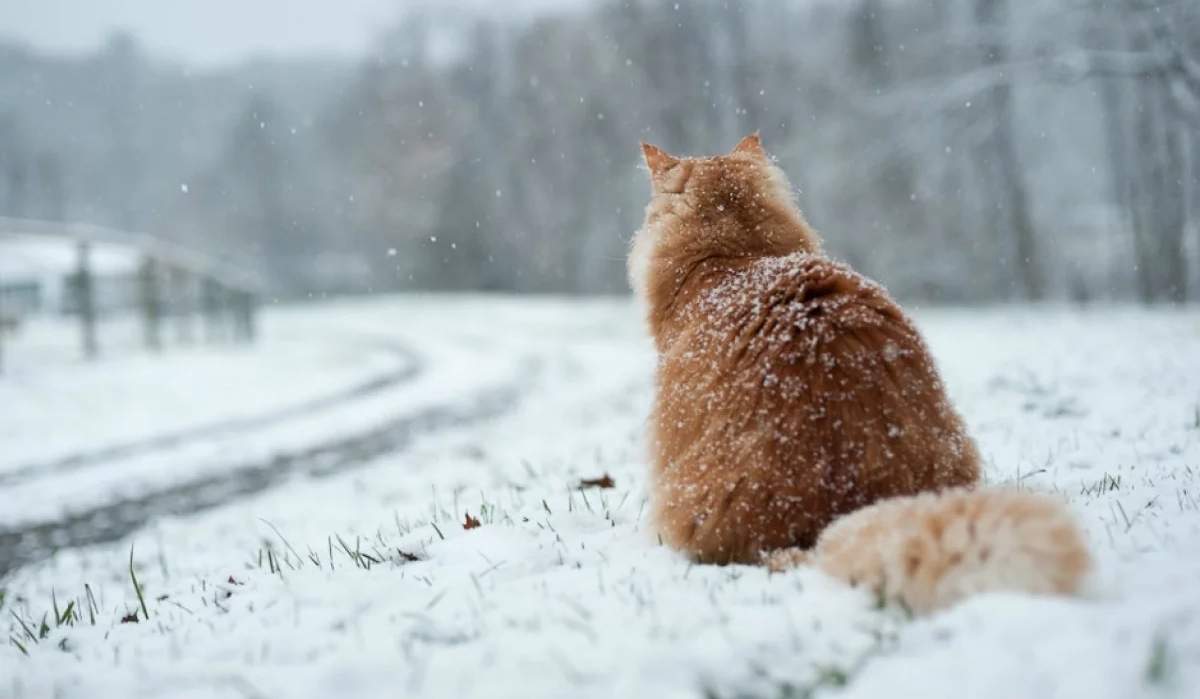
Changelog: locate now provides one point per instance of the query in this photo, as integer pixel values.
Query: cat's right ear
(751, 144)
(658, 160)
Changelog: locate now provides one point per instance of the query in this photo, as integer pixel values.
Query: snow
(129, 396)
(562, 592)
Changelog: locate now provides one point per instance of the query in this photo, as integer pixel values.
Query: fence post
(229, 299)
(242, 307)
(210, 303)
(85, 300)
(250, 315)
(151, 304)
(183, 303)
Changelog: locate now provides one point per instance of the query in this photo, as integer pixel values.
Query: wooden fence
(172, 282)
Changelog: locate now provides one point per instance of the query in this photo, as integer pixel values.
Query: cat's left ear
(751, 144)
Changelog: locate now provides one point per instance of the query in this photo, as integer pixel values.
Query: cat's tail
(929, 551)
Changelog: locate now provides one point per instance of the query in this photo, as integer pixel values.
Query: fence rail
(170, 280)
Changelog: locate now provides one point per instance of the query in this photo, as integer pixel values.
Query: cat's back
(799, 309)
(803, 366)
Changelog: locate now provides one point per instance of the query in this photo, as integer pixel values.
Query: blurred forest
(956, 150)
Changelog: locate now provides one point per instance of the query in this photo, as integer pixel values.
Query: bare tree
(1007, 179)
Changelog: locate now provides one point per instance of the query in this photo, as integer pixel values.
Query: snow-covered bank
(563, 592)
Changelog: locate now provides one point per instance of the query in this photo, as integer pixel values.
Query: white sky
(201, 31)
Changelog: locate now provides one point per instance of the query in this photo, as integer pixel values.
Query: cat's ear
(657, 159)
(751, 144)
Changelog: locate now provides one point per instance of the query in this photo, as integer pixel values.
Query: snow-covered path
(364, 581)
(106, 492)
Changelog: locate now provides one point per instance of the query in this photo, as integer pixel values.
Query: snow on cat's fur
(793, 391)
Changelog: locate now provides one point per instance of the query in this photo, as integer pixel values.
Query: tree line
(957, 150)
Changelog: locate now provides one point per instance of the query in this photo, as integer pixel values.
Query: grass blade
(92, 606)
(137, 586)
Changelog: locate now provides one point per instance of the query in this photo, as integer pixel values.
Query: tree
(1001, 160)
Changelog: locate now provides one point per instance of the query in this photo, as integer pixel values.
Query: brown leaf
(130, 618)
(604, 481)
(471, 522)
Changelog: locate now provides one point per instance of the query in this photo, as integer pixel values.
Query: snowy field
(288, 520)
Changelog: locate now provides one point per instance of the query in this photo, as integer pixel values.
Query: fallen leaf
(604, 481)
(471, 522)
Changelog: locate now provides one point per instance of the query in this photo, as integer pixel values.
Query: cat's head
(736, 205)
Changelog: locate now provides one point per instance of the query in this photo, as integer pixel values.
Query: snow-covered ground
(129, 397)
(307, 587)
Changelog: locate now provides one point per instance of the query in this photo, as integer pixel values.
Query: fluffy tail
(929, 551)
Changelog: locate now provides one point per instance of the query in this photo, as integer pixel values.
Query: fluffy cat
(790, 390)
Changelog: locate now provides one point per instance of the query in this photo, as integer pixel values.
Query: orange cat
(791, 390)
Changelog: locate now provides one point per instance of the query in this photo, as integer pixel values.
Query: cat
(792, 391)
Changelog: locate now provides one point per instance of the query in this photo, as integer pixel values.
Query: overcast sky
(201, 31)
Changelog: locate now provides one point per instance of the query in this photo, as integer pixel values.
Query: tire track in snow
(410, 368)
(114, 520)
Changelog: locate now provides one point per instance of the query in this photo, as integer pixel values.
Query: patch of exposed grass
(30, 629)
(1107, 484)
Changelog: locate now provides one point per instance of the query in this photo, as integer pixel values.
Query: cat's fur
(931, 550)
(791, 390)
